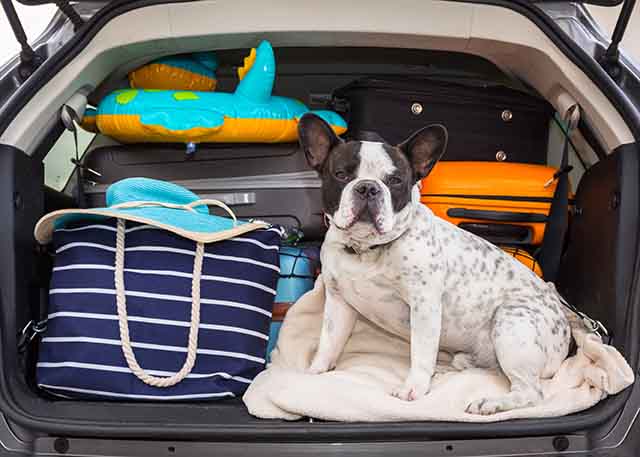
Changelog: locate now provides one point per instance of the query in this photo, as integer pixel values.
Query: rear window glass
(58, 166)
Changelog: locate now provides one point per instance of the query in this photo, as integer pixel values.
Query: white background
(607, 18)
(34, 19)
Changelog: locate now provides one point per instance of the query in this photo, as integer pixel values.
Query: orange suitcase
(524, 257)
(505, 203)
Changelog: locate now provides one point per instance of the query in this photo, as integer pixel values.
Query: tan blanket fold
(374, 361)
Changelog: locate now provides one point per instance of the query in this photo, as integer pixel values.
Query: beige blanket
(374, 361)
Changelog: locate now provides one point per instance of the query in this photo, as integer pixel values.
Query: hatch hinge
(610, 60)
(29, 59)
(71, 13)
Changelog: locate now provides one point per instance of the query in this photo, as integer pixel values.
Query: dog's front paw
(413, 388)
(320, 366)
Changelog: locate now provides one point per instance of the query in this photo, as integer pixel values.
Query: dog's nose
(367, 189)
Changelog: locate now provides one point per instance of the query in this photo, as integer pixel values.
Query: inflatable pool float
(196, 71)
(249, 115)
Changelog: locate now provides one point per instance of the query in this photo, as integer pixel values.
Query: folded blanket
(375, 361)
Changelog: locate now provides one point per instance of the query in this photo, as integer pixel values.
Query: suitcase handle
(498, 216)
(499, 233)
(234, 199)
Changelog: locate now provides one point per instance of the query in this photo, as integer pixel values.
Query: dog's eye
(394, 180)
(341, 175)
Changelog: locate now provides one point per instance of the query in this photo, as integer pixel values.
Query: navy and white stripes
(80, 355)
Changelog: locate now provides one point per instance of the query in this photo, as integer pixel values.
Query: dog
(388, 258)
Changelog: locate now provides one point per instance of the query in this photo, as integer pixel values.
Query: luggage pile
(185, 302)
(493, 179)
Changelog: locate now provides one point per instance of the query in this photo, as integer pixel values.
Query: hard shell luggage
(524, 257)
(270, 182)
(501, 202)
(485, 122)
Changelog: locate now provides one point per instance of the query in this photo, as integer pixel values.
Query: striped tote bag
(140, 313)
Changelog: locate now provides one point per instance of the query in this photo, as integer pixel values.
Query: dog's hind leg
(462, 361)
(518, 338)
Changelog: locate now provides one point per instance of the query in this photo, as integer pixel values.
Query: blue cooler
(299, 267)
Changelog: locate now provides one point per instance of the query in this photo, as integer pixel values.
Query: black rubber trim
(321, 431)
(497, 216)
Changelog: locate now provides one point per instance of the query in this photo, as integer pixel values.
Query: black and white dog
(387, 257)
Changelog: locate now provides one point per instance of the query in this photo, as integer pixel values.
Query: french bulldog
(388, 258)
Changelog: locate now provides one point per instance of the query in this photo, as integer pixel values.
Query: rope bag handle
(121, 302)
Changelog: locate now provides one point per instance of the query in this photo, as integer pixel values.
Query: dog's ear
(317, 139)
(424, 148)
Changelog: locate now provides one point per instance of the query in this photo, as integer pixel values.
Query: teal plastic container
(299, 267)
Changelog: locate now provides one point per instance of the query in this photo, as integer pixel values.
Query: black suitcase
(270, 182)
(485, 122)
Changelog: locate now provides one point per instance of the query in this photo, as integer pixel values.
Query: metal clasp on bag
(593, 325)
(30, 331)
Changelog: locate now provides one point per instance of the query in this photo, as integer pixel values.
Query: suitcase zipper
(297, 180)
(512, 198)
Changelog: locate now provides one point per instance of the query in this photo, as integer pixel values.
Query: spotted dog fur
(389, 258)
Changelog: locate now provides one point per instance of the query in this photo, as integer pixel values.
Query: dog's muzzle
(367, 201)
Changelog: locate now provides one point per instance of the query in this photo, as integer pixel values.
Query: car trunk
(596, 273)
